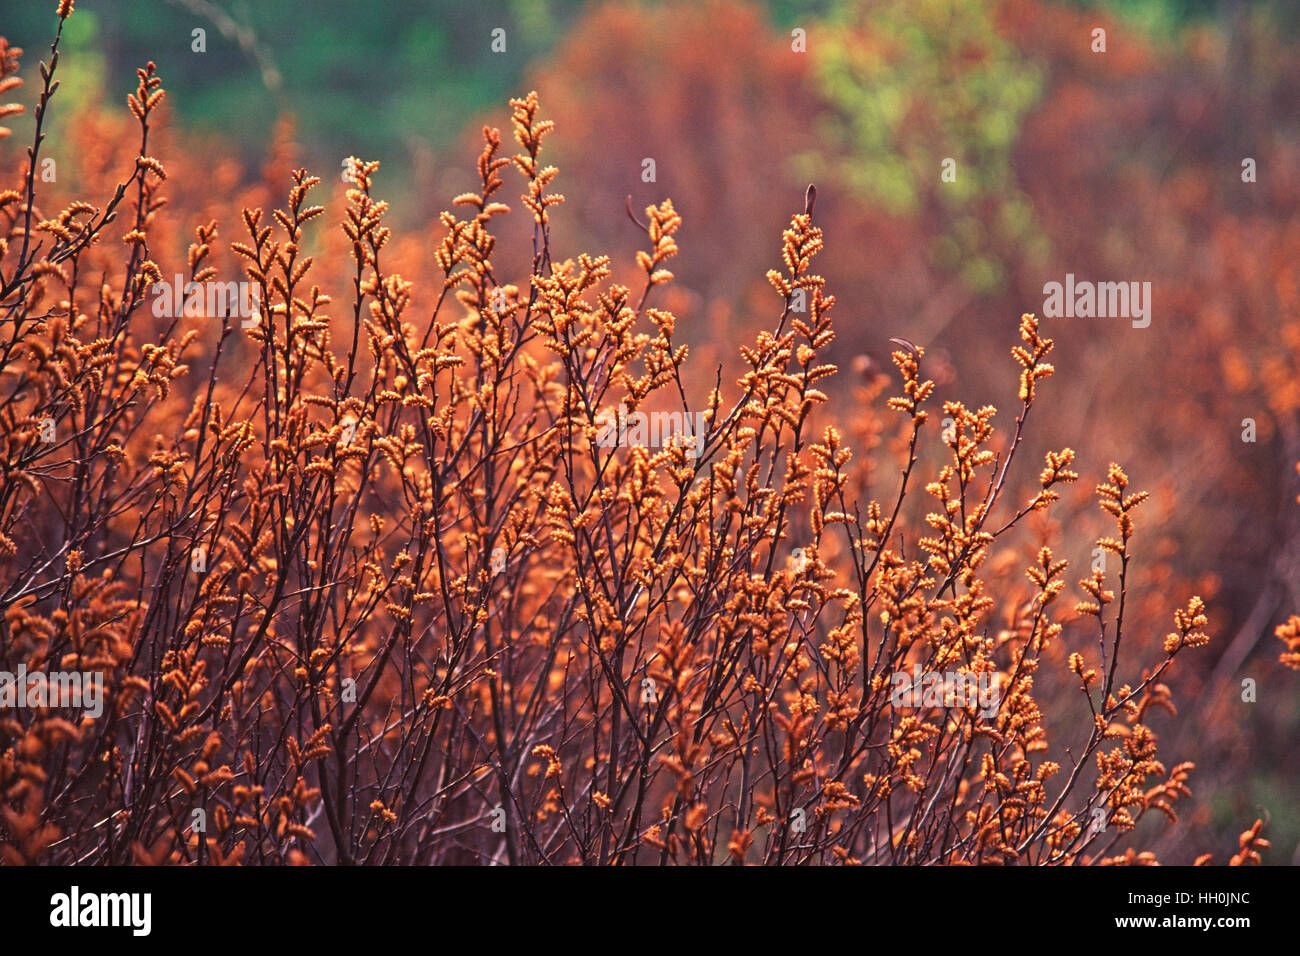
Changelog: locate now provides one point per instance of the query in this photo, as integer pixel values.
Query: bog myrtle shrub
(365, 579)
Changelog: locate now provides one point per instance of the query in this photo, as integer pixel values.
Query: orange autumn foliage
(366, 581)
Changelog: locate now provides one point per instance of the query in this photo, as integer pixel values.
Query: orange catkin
(408, 564)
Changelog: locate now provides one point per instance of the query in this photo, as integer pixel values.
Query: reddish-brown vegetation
(366, 583)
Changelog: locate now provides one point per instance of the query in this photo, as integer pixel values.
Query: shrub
(380, 583)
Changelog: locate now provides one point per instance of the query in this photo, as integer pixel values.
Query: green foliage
(1164, 18)
(913, 83)
(416, 71)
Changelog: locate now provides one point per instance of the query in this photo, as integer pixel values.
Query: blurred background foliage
(911, 83)
(1123, 166)
(413, 71)
(417, 71)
